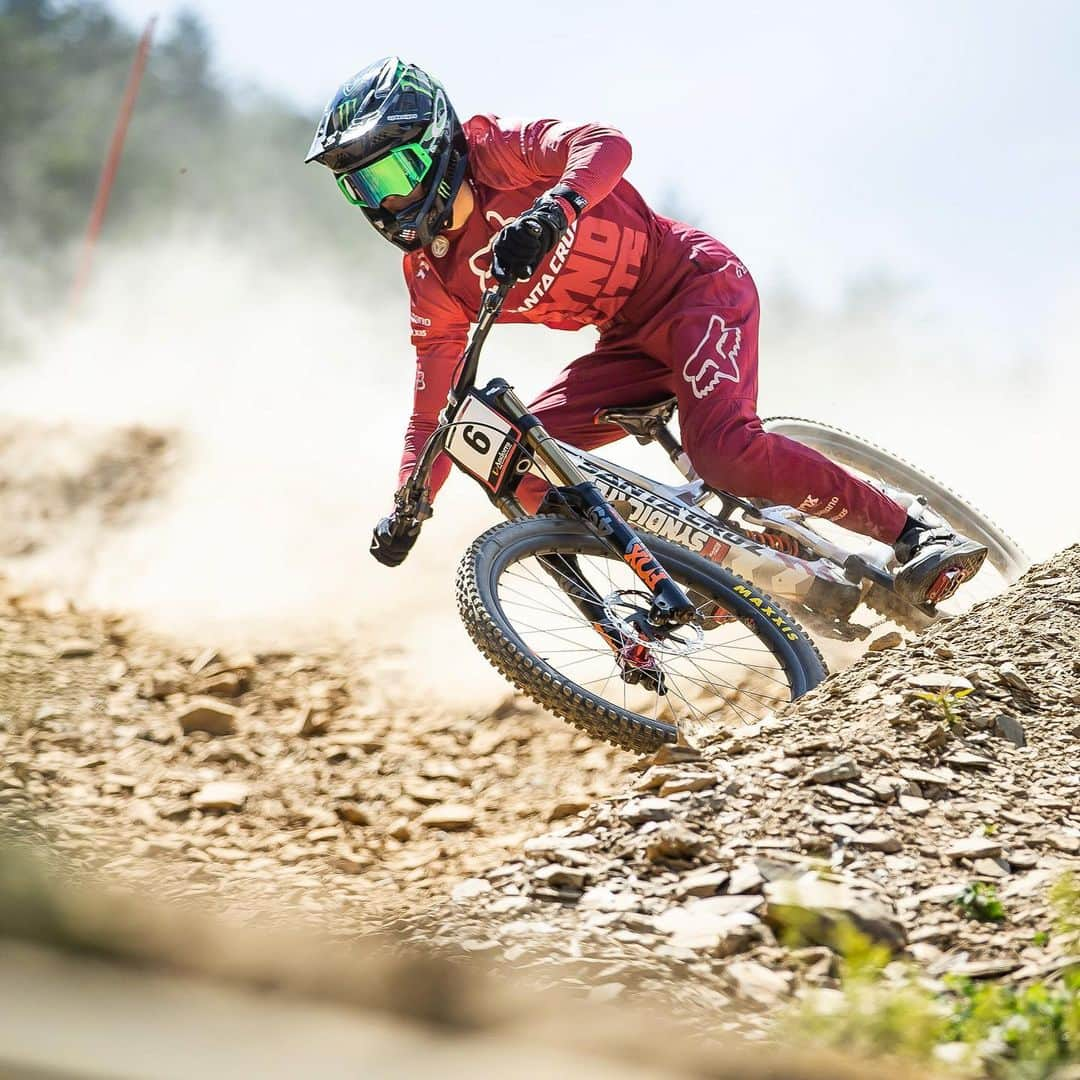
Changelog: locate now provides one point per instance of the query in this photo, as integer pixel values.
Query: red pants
(701, 344)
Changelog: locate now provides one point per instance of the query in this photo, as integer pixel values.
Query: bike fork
(580, 498)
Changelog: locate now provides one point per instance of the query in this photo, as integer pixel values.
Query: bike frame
(490, 434)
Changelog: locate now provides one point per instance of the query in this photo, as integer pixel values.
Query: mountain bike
(641, 611)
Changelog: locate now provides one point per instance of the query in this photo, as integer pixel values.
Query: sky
(934, 140)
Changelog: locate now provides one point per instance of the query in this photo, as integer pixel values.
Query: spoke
(589, 682)
(743, 648)
(741, 692)
(582, 660)
(597, 651)
(532, 607)
(564, 607)
(686, 703)
(528, 586)
(554, 570)
(765, 672)
(615, 671)
(558, 637)
(549, 586)
(580, 625)
(729, 685)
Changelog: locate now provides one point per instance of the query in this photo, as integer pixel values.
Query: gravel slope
(875, 800)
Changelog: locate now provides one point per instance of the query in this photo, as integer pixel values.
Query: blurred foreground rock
(98, 985)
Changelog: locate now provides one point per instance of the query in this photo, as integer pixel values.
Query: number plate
(482, 441)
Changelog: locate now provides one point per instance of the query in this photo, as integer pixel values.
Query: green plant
(1029, 1032)
(1023, 1033)
(978, 900)
(1065, 898)
(875, 1016)
(946, 702)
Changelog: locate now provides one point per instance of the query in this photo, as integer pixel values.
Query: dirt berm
(925, 770)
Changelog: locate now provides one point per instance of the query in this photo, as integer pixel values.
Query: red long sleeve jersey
(584, 281)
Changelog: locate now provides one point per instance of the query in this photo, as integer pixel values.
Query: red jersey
(584, 281)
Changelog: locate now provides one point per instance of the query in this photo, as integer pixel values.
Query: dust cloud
(992, 419)
(290, 390)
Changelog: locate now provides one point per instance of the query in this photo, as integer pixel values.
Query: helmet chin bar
(416, 226)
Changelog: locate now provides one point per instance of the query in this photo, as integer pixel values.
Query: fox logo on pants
(715, 358)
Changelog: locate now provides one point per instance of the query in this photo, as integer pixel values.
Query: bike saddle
(639, 420)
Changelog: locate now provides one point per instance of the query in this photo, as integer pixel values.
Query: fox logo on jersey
(715, 358)
(483, 272)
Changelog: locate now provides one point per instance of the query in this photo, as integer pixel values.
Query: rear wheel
(1006, 558)
(739, 659)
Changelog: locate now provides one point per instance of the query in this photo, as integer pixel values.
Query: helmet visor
(398, 173)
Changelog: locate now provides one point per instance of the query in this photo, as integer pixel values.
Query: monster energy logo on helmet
(390, 134)
(346, 111)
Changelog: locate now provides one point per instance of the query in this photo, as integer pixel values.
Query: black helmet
(386, 130)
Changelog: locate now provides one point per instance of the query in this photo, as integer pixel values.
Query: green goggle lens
(396, 174)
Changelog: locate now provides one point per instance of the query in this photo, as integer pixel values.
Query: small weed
(946, 703)
(1065, 898)
(980, 901)
(1029, 1032)
(1022, 1032)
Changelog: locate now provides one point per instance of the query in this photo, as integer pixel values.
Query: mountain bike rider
(545, 204)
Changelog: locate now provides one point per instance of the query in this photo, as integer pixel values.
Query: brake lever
(410, 508)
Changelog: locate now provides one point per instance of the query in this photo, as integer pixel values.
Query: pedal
(946, 583)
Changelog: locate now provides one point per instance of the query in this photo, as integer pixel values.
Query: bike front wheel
(737, 661)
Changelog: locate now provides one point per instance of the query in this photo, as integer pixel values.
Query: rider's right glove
(393, 539)
(527, 239)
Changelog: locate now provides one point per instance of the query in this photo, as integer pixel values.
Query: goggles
(398, 173)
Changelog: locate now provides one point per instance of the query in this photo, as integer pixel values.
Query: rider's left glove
(527, 239)
(393, 539)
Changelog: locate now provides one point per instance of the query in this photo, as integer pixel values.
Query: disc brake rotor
(641, 656)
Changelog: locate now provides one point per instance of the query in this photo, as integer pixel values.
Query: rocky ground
(99, 983)
(284, 782)
(305, 781)
(925, 770)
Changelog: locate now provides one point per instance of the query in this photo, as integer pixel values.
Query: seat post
(662, 434)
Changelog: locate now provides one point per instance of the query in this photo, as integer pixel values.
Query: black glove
(393, 538)
(527, 239)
